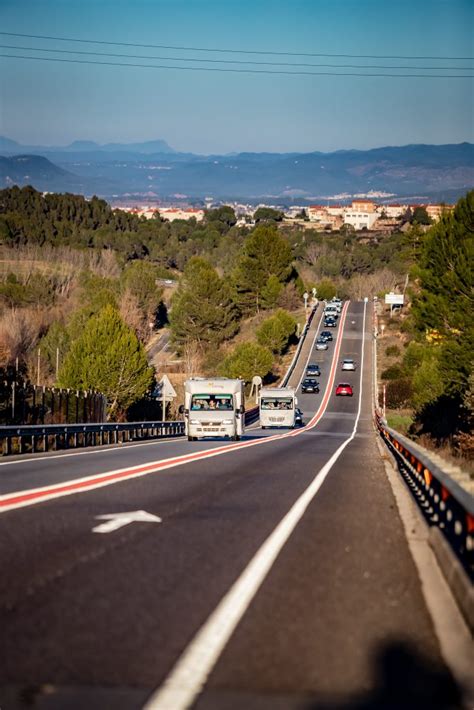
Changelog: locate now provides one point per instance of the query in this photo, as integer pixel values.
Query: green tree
(271, 291)
(420, 216)
(265, 253)
(442, 313)
(225, 215)
(247, 360)
(326, 290)
(108, 357)
(202, 309)
(275, 332)
(139, 277)
(267, 214)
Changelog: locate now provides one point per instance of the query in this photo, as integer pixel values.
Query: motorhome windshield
(212, 401)
(276, 403)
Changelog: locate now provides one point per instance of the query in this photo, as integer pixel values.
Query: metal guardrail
(52, 437)
(444, 503)
(289, 372)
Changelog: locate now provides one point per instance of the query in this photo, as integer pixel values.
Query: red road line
(21, 499)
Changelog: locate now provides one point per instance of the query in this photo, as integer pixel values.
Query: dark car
(330, 322)
(298, 417)
(313, 370)
(309, 384)
(326, 334)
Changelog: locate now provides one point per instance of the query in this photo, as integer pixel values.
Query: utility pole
(39, 366)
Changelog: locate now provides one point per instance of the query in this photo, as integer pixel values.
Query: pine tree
(108, 357)
(202, 311)
(246, 361)
(265, 253)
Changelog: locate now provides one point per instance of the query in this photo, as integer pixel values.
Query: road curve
(336, 618)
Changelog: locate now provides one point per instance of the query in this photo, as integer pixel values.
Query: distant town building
(359, 219)
(172, 213)
(435, 212)
(363, 206)
(393, 210)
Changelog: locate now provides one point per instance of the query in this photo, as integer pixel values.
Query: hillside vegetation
(72, 270)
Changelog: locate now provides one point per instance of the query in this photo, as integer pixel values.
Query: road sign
(394, 299)
(167, 390)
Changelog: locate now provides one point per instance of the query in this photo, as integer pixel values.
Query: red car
(344, 389)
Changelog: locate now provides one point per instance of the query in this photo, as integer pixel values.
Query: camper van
(214, 407)
(277, 407)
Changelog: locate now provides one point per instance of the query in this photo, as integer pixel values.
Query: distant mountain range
(154, 169)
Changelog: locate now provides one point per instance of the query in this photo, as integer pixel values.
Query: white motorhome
(277, 406)
(214, 407)
(332, 309)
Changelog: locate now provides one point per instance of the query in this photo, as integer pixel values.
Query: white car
(321, 344)
(348, 364)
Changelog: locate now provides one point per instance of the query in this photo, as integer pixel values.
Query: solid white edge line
(311, 350)
(189, 675)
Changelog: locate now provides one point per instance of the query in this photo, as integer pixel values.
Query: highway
(278, 577)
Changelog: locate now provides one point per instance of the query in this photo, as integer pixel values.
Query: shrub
(398, 393)
(247, 360)
(392, 351)
(394, 372)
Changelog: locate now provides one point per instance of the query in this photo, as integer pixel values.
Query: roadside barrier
(52, 437)
(445, 504)
(291, 367)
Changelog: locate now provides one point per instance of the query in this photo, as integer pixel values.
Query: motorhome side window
(212, 401)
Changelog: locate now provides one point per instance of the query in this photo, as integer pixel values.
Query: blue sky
(46, 102)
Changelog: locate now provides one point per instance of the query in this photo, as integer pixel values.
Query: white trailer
(214, 407)
(277, 407)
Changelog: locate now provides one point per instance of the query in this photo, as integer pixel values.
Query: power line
(230, 61)
(237, 71)
(229, 51)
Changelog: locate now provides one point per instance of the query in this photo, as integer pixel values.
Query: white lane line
(257, 424)
(188, 677)
(311, 350)
(121, 447)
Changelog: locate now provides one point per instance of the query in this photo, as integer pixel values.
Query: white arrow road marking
(118, 520)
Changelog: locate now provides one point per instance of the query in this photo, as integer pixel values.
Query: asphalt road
(279, 577)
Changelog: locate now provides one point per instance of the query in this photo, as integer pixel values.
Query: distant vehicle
(348, 364)
(321, 344)
(214, 407)
(313, 370)
(330, 322)
(298, 417)
(169, 282)
(309, 384)
(277, 407)
(326, 335)
(332, 309)
(344, 389)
